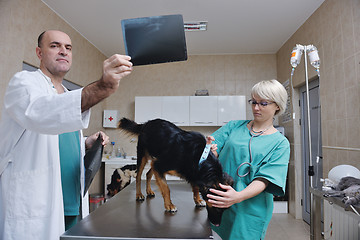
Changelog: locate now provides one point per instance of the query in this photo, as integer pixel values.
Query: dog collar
(205, 153)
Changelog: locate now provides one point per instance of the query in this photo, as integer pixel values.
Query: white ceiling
(234, 26)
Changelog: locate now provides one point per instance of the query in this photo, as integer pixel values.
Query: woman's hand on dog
(223, 199)
(209, 140)
(228, 197)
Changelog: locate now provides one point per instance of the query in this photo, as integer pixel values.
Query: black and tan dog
(121, 178)
(176, 152)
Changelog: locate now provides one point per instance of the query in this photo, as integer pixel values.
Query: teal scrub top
(70, 156)
(270, 157)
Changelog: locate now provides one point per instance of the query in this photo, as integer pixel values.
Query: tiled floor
(285, 226)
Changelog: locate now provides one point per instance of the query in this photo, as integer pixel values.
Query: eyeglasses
(261, 104)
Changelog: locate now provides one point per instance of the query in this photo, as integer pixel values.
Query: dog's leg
(150, 193)
(198, 201)
(165, 191)
(141, 165)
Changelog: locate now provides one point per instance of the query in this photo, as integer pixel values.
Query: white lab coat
(31, 201)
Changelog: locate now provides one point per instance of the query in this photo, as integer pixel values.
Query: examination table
(122, 217)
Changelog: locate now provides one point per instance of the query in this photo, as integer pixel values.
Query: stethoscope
(253, 134)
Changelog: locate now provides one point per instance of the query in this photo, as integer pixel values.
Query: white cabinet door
(203, 110)
(231, 108)
(176, 109)
(147, 108)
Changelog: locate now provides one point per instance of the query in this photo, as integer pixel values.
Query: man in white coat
(37, 108)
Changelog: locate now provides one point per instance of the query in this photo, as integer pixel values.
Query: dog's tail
(130, 126)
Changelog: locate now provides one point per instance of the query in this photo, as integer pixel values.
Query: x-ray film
(92, 162)
(152, 40)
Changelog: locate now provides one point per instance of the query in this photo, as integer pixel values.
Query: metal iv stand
(315, 205)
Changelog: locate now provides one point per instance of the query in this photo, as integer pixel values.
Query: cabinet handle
(204, 122)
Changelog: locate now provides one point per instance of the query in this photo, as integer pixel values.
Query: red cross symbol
(110, 118)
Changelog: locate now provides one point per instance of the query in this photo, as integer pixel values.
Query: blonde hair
(273, 91)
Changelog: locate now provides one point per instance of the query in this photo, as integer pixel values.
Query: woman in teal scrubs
(256, 155)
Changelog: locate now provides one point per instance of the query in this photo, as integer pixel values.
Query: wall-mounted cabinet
(231, 108)
(203, 111)
(191, 110)
(147, 108)
(175, 109)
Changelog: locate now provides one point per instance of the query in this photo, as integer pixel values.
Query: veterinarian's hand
(114, 69)
(223, 199)
(209, 140)
(91, 139)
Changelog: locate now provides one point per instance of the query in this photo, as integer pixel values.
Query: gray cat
(349, 189)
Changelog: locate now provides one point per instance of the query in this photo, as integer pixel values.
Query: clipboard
(153, 40)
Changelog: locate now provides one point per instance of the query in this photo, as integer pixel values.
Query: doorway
(316, 143)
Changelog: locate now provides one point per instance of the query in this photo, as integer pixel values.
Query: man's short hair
(40, 38)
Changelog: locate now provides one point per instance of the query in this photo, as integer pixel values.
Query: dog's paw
(150, 195)
(140, 198)
(172, 210)
(201, 203)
